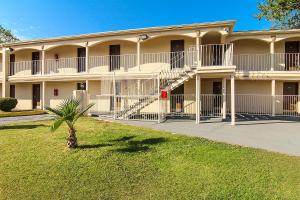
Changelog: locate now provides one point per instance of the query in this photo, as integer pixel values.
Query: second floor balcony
(219, 55)
(267, 62)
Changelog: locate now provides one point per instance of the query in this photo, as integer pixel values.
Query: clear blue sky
(30, 19)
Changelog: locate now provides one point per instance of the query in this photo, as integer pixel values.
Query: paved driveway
(272, 135)
(20, 119)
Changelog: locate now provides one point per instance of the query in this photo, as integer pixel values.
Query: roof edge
(229, 23)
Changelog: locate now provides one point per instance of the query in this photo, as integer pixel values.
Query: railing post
(224, 98)
(158, 98)
(273, 92)
(5, 71)
(232, 99)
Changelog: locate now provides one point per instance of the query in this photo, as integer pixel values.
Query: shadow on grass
(134, 146)
(126, 144)
(27, 126)
(93, 146)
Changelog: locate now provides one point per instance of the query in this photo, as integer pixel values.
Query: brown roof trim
(229, 23)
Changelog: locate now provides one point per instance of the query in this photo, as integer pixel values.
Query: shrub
(7, 104)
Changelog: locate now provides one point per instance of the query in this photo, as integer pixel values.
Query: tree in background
(283, 14)
(6, 35)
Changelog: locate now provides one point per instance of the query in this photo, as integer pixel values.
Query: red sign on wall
(164, 94)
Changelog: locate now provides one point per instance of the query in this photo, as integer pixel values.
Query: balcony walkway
(272, 135)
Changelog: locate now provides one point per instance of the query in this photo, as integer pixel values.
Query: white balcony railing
(65, 65)
(108, 63)
(208, 55)
(25, 68)
(267, 62)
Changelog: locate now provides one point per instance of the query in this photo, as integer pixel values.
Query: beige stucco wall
(251, 47)
(23, 92)
(65, 90)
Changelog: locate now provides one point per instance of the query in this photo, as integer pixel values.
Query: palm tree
(69, 111)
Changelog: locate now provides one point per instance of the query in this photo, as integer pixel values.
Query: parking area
(277, 135)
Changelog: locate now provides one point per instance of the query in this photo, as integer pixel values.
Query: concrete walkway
(271, 135)
(20, 119)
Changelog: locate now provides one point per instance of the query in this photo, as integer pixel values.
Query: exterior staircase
(169, 80)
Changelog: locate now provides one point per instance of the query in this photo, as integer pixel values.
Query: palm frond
(56, 111)
(57, 123)
(69, 110)
(84, 111)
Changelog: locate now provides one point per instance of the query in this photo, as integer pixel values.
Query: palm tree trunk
(72, 139)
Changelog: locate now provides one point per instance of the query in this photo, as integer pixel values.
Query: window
(81, 86)
(12, 91)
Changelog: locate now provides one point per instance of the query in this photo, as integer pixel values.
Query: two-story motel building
(195, 71)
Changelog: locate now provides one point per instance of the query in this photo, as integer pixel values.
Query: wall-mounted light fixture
(11, 49)
(143, 37)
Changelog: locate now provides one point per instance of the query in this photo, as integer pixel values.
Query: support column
(198, 98)
(43, 95)
(158, 98)
(273, 92)
(224, 98)
(86, 57)
(114, 95)
(5, 71)
(43, 62)
(138, 50)
(198, 49)
(272, 53)
(232, 83)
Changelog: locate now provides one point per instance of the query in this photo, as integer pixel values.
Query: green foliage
(283, 14)
(7, 104)
(68, 111)
(6, 35)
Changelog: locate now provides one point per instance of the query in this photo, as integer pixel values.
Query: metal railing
(267, 62)
(277, 105)
(112, 63)
(25, 68)
(216, 55)
(65, 65)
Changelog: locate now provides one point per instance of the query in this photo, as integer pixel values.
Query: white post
(224, 97)
(43, 95)
(158, 98)
(138, 50)
(86, 58)
(43, 62)
(232, 100)
(5, 71)
(114, 93)
(272, 53)
(198, 100)
(198, 52)
(273, 83)
(87, 86)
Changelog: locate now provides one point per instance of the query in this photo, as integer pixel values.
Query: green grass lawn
(123, 162)
(21, 113)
